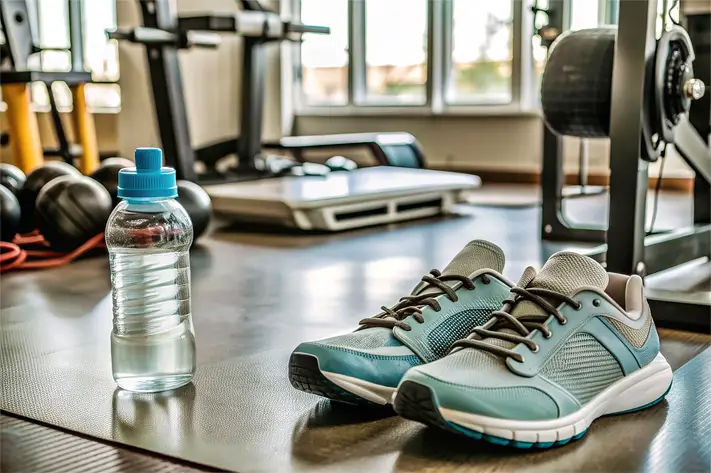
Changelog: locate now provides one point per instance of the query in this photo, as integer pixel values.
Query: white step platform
(343, 200)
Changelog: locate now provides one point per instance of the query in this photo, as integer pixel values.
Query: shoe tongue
(564, 272)
(476, 255)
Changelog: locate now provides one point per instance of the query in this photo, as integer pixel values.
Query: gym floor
(266, 292)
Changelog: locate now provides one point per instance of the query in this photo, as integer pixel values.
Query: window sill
(418, 111)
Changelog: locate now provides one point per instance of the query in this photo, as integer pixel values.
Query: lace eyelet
(579, 306)
(596, 302)
(485, 279)
(536, 350)
(564, 321)
(548, 335)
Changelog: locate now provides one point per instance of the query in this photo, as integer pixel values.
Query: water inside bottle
(152, 344)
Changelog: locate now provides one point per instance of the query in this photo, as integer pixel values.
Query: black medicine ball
(198, 205)
(70, 210)
(33, 185)
(9, 214)
(107, 175)
(12, 177)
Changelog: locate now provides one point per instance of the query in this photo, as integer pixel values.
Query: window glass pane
(584, 14)
(481, 52)
(53, 23)
(396, 51)
(100, 54)
(103, 96)
(540, 52)
(324, 58)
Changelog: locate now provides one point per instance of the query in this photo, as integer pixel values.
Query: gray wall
(506, 143)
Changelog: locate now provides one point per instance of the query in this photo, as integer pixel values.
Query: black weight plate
(673, 60)
(577, 83)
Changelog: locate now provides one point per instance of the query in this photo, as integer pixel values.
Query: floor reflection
(155, 421)
(433, 450)
(331, 433)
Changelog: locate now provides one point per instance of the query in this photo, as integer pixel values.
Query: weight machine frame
(629, 249)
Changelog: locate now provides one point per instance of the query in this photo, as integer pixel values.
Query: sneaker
(571, 344)
(365, 366)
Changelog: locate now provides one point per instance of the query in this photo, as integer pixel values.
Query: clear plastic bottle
(148, 236)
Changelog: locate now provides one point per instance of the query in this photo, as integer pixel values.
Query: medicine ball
(107, 175)
(71, 209)
(33, 185)
(9, 214)
(198, 205)
(12, 177)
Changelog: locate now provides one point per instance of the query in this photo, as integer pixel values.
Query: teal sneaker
(365, 366)
(571, 344)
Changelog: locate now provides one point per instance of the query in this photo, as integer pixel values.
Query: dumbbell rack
(628, 248)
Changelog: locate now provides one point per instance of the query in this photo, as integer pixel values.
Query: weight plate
(672, 68)
(577, 83)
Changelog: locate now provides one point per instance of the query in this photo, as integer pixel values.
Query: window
(396, 74)
(51, 18)
(482, 37)
(324, 58)
(408, 54)
(584, 14)
(435, 56)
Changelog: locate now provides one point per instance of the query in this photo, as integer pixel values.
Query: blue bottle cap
(148, 179)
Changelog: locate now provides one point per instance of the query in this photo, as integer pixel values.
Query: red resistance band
(30, 251)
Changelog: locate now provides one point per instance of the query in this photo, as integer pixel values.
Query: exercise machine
(645, 95)
(555, 192)
(19, 43)
(256, 189)
(164, 33)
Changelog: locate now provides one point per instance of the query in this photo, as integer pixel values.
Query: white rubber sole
(372, 392)
(636, 391)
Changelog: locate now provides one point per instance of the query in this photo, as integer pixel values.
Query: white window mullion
(447, 45)
(356, 52)
(520, 65)
(437, 63)
(295, 69)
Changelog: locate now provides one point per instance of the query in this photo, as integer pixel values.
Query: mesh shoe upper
(597, 346)
(381, 355)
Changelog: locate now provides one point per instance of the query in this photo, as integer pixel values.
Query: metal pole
(249, 143)
(583, 157)
(699, 28)
(167, 86)
(76, 34)
(634, 53)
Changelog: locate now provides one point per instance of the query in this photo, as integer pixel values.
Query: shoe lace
(413, 305)
(523, 325)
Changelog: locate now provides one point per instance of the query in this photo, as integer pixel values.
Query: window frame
(99, 79)
(439, 62)
(524, 97)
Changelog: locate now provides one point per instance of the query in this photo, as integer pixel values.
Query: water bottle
(148, 236)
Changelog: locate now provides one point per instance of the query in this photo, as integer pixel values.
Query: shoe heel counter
(651, 346)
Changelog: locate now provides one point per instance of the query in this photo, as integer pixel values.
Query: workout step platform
(343, 200)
